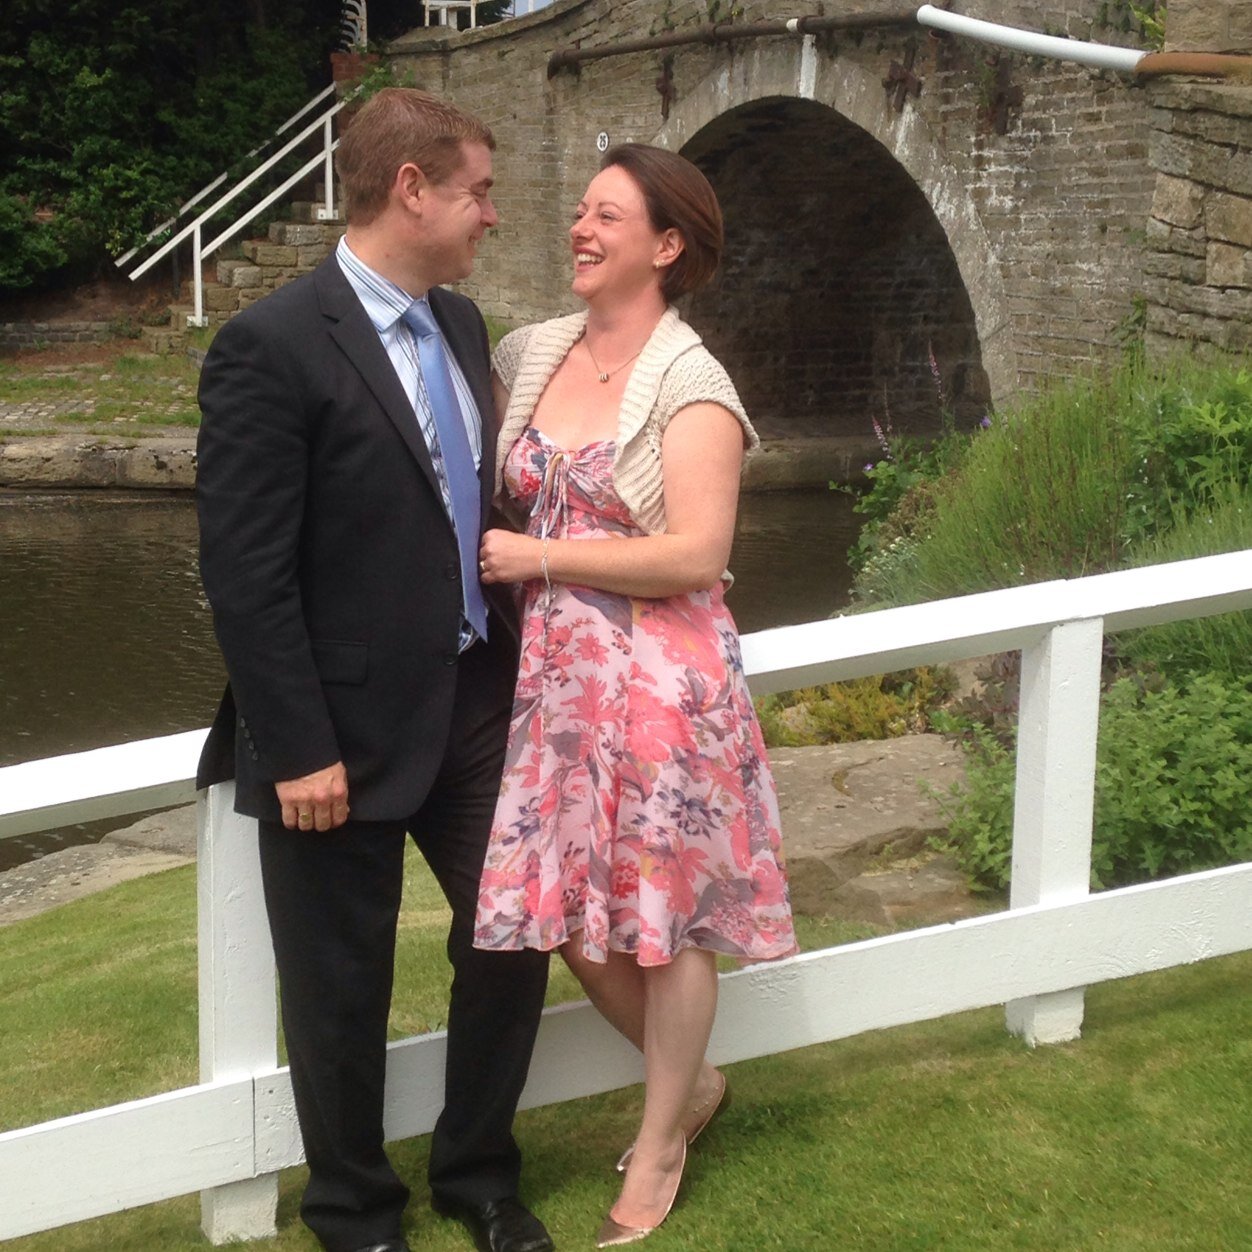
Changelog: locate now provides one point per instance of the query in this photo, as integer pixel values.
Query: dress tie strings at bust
(552, 504)
(458, 460)
(552, 508)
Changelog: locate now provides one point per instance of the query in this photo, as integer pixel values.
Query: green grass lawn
(127, 390)
(945, 1135)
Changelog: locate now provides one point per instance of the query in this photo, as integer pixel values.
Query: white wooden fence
(227, 1136)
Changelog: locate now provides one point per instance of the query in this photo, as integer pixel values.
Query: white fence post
(1056, 751)
(238, 1014)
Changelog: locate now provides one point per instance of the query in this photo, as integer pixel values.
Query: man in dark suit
(345, 465)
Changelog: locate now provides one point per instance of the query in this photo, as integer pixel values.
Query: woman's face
(616, 251)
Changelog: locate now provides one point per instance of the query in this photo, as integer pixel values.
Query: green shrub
(883, 707)
(1172, 766)
(28, 247)
(1191, 437)
(980, 812)
(1221, 644)
(1172, 780)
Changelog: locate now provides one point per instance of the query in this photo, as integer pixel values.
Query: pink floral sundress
(637, 804)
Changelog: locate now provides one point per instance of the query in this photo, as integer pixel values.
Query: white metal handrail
(325, 123)
(221, 178)
(229, 1135)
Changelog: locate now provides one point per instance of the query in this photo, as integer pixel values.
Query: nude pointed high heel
(613, 1234)
(694, 1124)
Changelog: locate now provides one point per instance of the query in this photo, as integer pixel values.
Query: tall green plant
(1072, 481)
(1039, 495)
(1191, 436)
(1221, 644)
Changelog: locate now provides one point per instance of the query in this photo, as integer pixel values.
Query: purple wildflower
(883, 442)
(935, 374)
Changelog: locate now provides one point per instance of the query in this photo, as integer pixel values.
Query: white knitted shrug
(674, 370)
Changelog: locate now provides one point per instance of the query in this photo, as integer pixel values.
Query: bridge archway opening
(838, 287)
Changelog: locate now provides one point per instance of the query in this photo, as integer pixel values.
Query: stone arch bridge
(914, 224)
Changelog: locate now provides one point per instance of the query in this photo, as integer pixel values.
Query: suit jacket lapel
(353, 331)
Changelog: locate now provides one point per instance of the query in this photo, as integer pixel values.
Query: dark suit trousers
(333, 901)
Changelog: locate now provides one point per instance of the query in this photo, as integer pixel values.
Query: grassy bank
(102, 389)
(112, 388)
(944, 1135)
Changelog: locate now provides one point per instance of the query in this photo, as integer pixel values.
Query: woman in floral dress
(637, 827)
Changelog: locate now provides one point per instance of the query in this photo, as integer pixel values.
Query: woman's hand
(506, 557)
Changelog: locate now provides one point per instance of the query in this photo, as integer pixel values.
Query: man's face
(456, 213)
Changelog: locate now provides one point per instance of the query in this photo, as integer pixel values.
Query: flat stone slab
(852, 811)
(167, 463)
(856, 800)
(73, 459)
(159, 842)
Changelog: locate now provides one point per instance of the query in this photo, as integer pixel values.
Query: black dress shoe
(387, 1245)
(499, 1225)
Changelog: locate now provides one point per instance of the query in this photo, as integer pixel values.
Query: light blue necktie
(458, 461)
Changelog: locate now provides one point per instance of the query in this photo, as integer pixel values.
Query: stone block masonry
(289, 250)
(1199, 238)
(16, 336)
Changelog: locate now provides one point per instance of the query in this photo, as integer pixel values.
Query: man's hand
(317, 801)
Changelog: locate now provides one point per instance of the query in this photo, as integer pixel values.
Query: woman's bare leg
(680, 1001)
(616, 988)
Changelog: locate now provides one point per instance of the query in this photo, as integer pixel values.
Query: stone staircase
(232, 283)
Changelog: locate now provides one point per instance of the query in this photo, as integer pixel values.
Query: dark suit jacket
(326, 552)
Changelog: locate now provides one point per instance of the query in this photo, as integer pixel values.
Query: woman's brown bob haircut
(678, 197)
(397, 126)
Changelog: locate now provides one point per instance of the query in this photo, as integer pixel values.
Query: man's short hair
(396, 126)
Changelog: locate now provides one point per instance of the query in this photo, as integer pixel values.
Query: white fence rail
(227, 1136)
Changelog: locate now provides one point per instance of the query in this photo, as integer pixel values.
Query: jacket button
(450, 658)
(453, 571)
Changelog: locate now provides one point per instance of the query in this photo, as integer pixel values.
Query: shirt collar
(385, 303)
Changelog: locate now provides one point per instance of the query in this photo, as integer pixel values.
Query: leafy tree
(112, 114)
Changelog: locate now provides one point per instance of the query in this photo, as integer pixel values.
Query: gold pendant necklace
(604, 375)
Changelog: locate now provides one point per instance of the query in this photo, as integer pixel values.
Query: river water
(105, 635)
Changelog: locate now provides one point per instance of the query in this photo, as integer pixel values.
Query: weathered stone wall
(1199, 286)
(857, 234)
(18, 335)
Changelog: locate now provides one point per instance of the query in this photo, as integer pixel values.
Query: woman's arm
(701, 456)
(499, 394)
